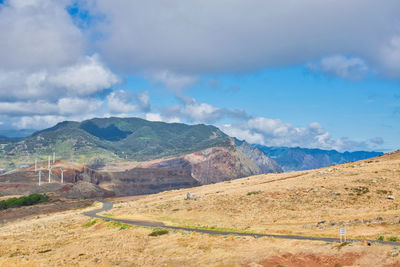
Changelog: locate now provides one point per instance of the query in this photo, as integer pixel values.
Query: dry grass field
(353, 194)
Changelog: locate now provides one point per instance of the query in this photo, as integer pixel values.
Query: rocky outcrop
(265, 163)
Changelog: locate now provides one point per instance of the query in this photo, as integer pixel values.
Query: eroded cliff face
(207, 166)
(212, 165)
(265, 163)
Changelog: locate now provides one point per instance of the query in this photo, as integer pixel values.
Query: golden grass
(284, 205)
(287, 203)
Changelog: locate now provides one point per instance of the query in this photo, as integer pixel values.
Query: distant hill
(296, 158)
(116, 139)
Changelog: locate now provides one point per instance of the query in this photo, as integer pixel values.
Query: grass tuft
(158, 232)
(90, 223)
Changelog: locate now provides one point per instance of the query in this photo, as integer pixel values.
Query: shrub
(393, 238)
(90, 223)
(381, 238)
(254, 192)
(158, 232)
(360, 190)
(23, 201)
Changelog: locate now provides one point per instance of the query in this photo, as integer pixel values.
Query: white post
(49, 175)
(62, 176)
(35, 165)
(54, 157)
(48, 165)
(40, 177)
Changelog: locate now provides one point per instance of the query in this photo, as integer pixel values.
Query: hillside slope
(297, 159)
(364, 196)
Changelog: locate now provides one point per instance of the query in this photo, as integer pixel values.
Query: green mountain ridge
(113, 139)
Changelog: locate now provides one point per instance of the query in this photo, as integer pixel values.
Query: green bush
(381, 238)
(158, 232)
(393, 238)
(23, 201)
(254, 192)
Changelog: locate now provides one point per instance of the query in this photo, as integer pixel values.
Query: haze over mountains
(297, 158)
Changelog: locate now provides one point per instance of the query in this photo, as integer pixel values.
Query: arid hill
(361, 196)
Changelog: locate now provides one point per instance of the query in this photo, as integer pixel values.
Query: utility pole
(50, 175)
(40, 177)
(48, 167)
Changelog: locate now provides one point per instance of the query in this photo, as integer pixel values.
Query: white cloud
(37, 122)
(173, 81)
(197, 37)
(26, 108)
(153, 117)
(274, 132)
(390, 56)
(143, 100)
(243, 134)
(73, 106)
(200, 112)
(37, 34)
(120, 102)
(351, 68)
(158, 117)
(84, 78)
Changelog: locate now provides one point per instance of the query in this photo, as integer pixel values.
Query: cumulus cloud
(274, 132)
(196, 112)
(120, 102)
(158, 117)
(86, 77)
(195, 37)
(351, 68)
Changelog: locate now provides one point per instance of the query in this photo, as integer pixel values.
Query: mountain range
(297, 158)
(130, 156)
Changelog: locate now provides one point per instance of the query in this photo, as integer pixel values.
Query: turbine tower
(54, 157)
(40, 177)
(62, 176)
(50, 175)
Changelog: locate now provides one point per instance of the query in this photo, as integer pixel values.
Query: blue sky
(311, 74)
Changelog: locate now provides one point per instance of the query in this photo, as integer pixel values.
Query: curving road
(108, 206)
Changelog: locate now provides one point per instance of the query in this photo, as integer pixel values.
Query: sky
(311, 73)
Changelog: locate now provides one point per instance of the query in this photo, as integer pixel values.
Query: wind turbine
(40, 177)
(62, 176)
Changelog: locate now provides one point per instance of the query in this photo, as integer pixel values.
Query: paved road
(108, 206)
